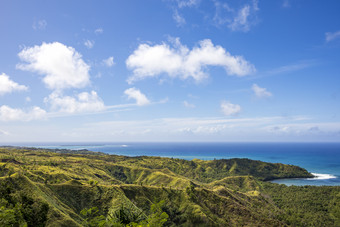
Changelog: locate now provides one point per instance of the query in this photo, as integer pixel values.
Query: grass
(227, 192)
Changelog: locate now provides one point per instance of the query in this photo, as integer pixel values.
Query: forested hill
(41, 187)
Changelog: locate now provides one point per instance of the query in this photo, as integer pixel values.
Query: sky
(169, 71)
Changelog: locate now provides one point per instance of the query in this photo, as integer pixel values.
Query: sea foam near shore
(322, 176)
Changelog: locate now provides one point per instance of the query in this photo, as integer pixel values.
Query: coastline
(320, 158)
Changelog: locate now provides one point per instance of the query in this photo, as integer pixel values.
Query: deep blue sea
(321, 159)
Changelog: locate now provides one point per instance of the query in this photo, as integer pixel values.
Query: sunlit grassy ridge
(218, 192)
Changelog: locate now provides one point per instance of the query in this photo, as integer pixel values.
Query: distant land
(61, 187)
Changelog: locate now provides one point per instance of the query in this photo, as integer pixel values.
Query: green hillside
(40, 187)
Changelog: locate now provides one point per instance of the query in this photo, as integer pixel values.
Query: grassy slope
(218, 192)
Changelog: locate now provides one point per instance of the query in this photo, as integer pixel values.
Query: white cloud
(40, 25)
(188, 105)
(10, 114)
(240, 22)
(230, 109)
(98, 31)
(279, 129)
(188, 129)
(236, 18)
(83, 102)
(178, 5)
(8, 86)
(203, 129)
(219, 129)
(179, 61)
(108, 62)
(140, 98)
(62, 66)
(235, 15)
(89, 44)
(332, 35)
(260, 92)
(306, 128)
(4, 133)
(187, 3)
(255, 5)
(180, 21)
(221, 10)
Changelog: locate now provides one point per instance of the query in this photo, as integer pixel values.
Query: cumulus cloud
(12, 114)
(8, 86)
(179, 61)
(62, 66)
(332, 35)
(260, 92)
(136, 94)
(40, 25)
(82, 102)
(108, 62)
(230, 109)
(89, 44)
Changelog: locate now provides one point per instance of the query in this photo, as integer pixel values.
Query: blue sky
(171, 70)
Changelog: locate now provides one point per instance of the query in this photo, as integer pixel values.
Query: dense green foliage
(18, 209)
(64, 188)
(126, 216)
(307, 205)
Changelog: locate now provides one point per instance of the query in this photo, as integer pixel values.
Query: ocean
(321, 159)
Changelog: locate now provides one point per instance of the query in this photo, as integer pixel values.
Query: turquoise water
(321, 159)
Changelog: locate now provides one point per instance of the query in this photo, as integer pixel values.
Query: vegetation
(40, 187)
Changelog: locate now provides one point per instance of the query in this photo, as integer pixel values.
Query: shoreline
(189, 153)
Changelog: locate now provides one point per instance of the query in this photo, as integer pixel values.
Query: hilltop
(52, 187)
